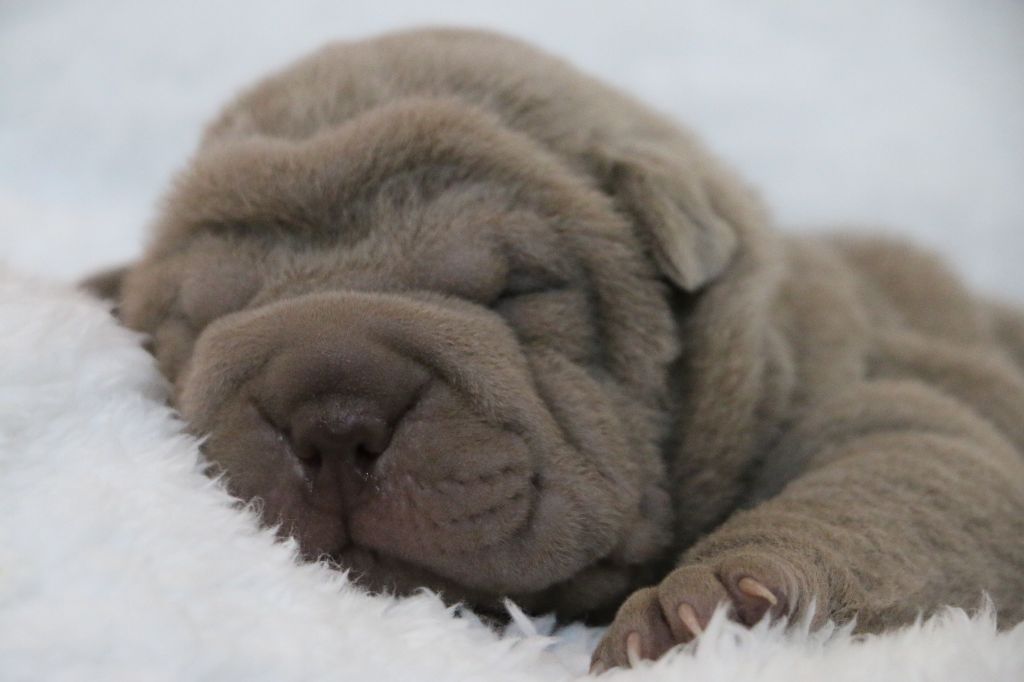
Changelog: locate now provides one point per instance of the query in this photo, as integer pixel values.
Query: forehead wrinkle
(417, 199)
(324, 184)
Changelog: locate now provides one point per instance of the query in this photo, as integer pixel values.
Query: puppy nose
(348, 439)
(339, 399)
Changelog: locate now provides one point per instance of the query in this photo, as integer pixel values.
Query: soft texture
(120, 560)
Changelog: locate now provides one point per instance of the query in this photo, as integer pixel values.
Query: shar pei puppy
(462, 317)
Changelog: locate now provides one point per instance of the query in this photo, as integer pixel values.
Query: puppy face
(433, 354)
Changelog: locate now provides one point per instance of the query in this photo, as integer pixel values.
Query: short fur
(593, 355)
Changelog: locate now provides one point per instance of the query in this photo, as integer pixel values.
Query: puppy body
(590, 356)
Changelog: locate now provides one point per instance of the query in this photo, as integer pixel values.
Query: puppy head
(434, 353)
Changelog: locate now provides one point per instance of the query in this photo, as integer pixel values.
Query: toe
(688, 597)
(638, 632)
(759, 586)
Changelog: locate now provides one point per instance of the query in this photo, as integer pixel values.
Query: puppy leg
(908, 501)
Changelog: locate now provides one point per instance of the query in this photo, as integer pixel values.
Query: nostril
(365, 459)
(340, 438)
(372, 438)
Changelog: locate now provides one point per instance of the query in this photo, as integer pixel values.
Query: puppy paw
(655, 619)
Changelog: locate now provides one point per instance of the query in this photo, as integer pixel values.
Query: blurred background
(903, 116)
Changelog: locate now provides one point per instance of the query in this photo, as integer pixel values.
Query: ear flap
(676, 206)
(106, 284)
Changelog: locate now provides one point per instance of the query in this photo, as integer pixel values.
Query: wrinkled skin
(471, 317)
(460, 317)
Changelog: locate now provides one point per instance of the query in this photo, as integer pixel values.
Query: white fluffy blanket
(120, 560)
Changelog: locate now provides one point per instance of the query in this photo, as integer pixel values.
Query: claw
(597, 667)
(754, 588)
(633, 648)
(688, 615)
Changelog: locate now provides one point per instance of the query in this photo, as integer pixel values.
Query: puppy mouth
(421, 519)
(446, 492)
(405, 529)
(450, 524)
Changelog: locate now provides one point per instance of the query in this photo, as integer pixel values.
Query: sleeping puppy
(461, 317)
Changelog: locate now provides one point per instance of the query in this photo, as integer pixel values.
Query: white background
(902, 115)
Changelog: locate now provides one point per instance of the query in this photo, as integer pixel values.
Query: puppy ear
(683, 209)
(106, 284)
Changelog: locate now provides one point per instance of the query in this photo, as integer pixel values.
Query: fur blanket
(120, 560)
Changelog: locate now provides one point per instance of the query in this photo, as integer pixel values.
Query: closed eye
(528, 284)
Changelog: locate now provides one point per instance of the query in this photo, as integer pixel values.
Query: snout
(335, 402)
(408, 429)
